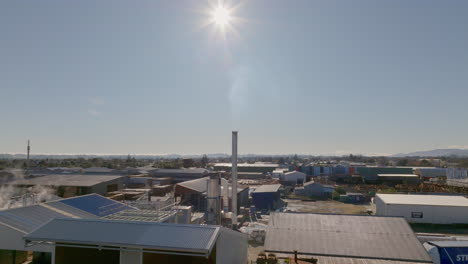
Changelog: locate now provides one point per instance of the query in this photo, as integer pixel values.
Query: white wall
(11, 239)
(294, 177)
(431, 214)
(231, 247)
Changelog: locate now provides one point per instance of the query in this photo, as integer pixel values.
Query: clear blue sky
(119, 76)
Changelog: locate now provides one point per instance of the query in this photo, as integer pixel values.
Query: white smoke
(6, 194)
(13, 197)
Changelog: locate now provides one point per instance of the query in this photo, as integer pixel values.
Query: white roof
(398, 175)
(294, 172)
(268, 188)
(421, 199)
(200, 185)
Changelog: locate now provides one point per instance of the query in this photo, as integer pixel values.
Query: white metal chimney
(234, 179)
(213, 208)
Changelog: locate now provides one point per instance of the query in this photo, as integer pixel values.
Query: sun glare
(221, 16)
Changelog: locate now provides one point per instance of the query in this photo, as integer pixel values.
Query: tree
(425, 163)
(204, 161)
(281, 160)
(402, 162)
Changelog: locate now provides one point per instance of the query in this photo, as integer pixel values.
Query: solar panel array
(96, 205)
(89, 206)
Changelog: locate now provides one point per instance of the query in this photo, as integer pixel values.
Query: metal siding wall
(381, 207)
(231, 248)
(316, 171)
(11, 239)
(431, 214)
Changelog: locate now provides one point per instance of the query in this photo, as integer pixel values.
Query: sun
(221, 16)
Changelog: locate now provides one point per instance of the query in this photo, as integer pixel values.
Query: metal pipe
(234, 179)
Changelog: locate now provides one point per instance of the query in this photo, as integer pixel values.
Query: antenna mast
(27, 156)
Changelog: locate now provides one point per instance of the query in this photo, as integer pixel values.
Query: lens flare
(221, 16)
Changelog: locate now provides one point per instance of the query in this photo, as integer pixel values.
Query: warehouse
(179, 175)
(247, 167)
(267, 197)
(433, 209)
(370, 174)
(344, 238)
(109, 241)
(315, 189)
(194, 193)
(293, 178)
(250, 175)
(278, 173)
(429, 173)
(448, 251)
(75, 184)
(15, 223)
(398, 178)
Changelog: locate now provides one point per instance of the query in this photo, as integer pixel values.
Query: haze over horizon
(305, 77)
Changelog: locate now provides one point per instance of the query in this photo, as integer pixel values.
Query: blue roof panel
(96, 204)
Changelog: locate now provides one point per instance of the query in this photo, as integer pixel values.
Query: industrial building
(100, 171)
(313, 169)
(15, 223)
(278, 173)
(429, 173)
(251, 175)
(398, 178)
(179, 175)
(194, 193)
(433, 209)
(293, 178)
(315, 189)
(370, 174)
(108, 241)
(448, 251)
(267, 197)
(74, 184)
(247, 167)
(344, 238)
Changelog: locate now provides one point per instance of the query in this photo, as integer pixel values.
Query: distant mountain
(435, 153)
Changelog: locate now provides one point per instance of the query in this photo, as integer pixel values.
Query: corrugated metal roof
(174, 237)
(422, 199)
(388, 238)
(199, 185)
(87, 206)
(28, 218)
(268, 188)
(80, 180)
(197, 172)
(341, 260)
(319, 184)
